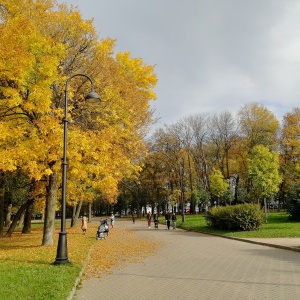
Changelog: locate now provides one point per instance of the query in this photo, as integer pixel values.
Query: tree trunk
(28, 212)
(8, 216)
(266, 210)
(21, 220)
(2, 189)
(138, 209)
(236, 190)
(49, 223)
(17, 217)
(90, 212)
(76, 212)
(73, 216)
(27, 219)
(192, 203)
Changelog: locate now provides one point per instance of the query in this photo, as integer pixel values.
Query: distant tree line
(220, 159)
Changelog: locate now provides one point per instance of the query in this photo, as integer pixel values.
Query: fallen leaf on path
(121, 246)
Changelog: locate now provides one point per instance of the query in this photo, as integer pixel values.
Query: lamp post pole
(182, 191)
(62, 248)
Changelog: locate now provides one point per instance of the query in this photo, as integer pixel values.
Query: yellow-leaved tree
(218, 185)
(105, 140)
(28, 67)
(290, 151)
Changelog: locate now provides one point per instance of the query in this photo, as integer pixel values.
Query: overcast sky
(209, 55)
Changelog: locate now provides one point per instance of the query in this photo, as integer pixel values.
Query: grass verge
(278, 226)
(27, 270)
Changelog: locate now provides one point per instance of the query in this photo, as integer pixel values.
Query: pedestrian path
(192, 265)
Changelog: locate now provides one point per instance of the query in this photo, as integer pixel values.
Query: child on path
(112, 220)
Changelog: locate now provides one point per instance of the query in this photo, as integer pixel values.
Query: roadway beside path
(191, 265)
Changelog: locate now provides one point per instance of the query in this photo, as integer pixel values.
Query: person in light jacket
(84, 224)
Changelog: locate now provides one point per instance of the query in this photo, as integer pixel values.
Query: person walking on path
(149, 219)
(84, 224)
(133, 218)
(174, 219)
(155, 219)
(112, 220)
(168, 220)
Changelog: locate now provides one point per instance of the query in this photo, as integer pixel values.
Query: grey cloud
(210, 55)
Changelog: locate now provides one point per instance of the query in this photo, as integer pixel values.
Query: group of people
(84, 222)
(168, 217)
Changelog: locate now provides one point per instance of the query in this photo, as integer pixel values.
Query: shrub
(293, 207)
(242, 217)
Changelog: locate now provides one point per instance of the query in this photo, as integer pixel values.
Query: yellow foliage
(42, 45)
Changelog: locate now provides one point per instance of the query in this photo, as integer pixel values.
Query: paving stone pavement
(195, 266)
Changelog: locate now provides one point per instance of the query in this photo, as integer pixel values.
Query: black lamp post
(62, 249)
(182, 191)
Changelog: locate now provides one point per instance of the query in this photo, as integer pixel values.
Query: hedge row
(242, 217)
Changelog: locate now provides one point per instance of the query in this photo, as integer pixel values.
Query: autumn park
(49, 57)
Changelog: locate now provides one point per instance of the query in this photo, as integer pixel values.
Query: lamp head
(92, 97)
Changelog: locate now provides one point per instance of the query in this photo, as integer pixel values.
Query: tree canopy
(42, 45)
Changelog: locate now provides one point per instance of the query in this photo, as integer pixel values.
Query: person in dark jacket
(168, 219)
(155, 219)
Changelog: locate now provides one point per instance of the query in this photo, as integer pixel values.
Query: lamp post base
(62, 250)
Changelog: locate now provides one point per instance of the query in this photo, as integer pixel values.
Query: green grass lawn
(278, 226)
(27, 270)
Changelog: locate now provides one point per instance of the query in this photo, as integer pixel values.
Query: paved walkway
(194, 266)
